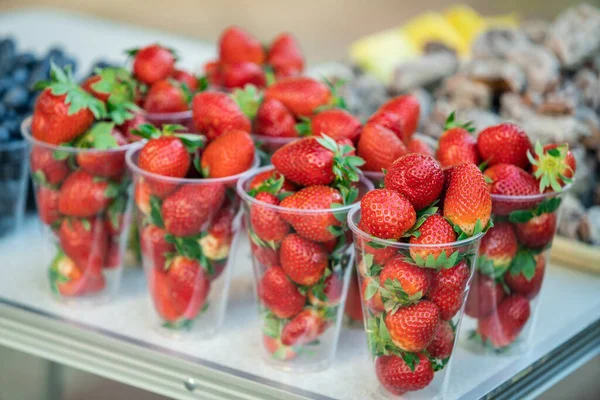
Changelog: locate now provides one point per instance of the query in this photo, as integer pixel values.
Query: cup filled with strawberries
(77, 163)
(416, 242)
(296, 221)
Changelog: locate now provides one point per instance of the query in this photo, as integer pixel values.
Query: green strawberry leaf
(451, 122)
(248, 100)
(375, 245)
(372, 288)
(520, 216)
(411, 360)
(335, 230)
(191, 141)
(303, 127)
(523, 263)
(147, 131)
(273, 185)
(155, 212)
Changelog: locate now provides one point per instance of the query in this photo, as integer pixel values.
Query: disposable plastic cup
(13, 185)
(83, 202)
(177, 118)
(301, 278)
(412, 296)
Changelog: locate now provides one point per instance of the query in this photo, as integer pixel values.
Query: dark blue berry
(26, 59)
(16, 98)
(20, 75)
(4, 134)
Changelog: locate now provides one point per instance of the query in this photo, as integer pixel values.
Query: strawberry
(114, 223)
(484, 297)
(267, 256)
(447, 289)
(186, 78)
(301, 95)
(443, 341)
(85, 241)
(268, 176)
(457, 145)
(420, 147)
(186, 211)
(404, 282)
(380, 255)
(538, 232)
(241, 74)
(398, 377)
(503, 326)
(113, 254)
(275, 120)
(152, 63)
(434, 231)
(107, 164)
(467, 203)
(154, 246)
(82, 195)
(277, 349)
(553, 166)
(386, 214)
(47, 204)
(406, 107)
(510, 180)
(69, 280)
(379, 147)
(131, 125)
(161, 295)
(327, 293)
(88, 84)
(388, 120)
(237, 45)
(46, 168)
(302, 260)
(412, 328)
(230, 154)
(142, 196)
(505, 143)
(285, 56)
(189, 286)
(215, 113)
(353, 307)
(216, 244)
(212, 71)
(267, 223)
(279, 294)
(499, 246)
(303, 329)
(337, 124)
(314, 226)
(167, 96)
(519, 283)
(372, 298)
(418, 178)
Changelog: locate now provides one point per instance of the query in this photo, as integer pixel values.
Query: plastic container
(300, 284)
(502, 306)
(412, 309)
(178, 118)
(188, 228)
(83, 201)
(268, 145)
(13, 185)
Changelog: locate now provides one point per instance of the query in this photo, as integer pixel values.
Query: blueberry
(10, 114)
(16, 98)
(40, 72)
(5, 84)
(31, 102)
(4, 134)
(11, 125)
(26, 59)
(55, 53)
(2, 112)
(20, 75)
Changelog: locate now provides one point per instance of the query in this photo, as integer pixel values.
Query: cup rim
(132, 165)
(402, 245)
(531, 197)
(274, 139)
(25, 132)
(249, 199)
(167, 115)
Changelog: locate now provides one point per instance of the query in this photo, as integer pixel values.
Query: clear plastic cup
(300, 283)
(188, 229)
(268, 145)
(413, 296)
(502, 306)
(82, 197)
(13, 185)
(177, 118)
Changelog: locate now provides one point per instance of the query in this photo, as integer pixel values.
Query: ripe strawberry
(47, 204)
(443, 341)
(313, 226)
(379, 147)
(215, 113)
(527, 287)
(85, 241)
(265, 255)
(263, 177)
(434, 231)
(114, 223)
(88, 84)
(304, 328)
(327, 293)
(230, 154)
(46, 168)
(107, 164)
(186, 211)
(152, 63)
(165, 156)
(113, 254)
(129, 126)
(420, 147)
(154, 246)
(510, 180)
(277, 349)
(285, 56)
(267, 223)
(484, 297)
(82, 195)
(412, 328)
(275, 120)
(142, 196)
(279, 294)
(240, 74)
(182, 76)
(372, 299)
(407, 107)
(388, 120)
(380, 255)
(505, 143)
(301, 95)
(467, 200)
(353, 308)
(167, 96)
(70, 280)
(237, 45)
(302, 260)
(398, 378)
(456, 146)
(216, 244)
(160, 291)
(553, 165)
(189, 286)
(503, 326)
(447, 289)
(212, 71)
(337, 124)
(386, 214)
(414, 281)
(538, 232)
(499, 245)
(418, 178)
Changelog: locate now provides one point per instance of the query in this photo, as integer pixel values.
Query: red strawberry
(91, 81)
(267, 223)
(447, 289)
(443, 341)
(153, 63)
(285, 56)
(279, 294)
(154, 246)
(337, 124)
(107, 164)
(142, 196)
(237, 45)
(407, 107)
(504, 144)
(415, 281)
(113, 255)
(265, 255)
(412, 328)
(46, 168)
(166, 156)
(114, 223)
(189, 286)
(230, 154)
(129, 126)
(388, 120)
(327, 293)
(499, 245)
(304, 328)
(467, 200)
(185, 77)
(510, 180)
(484, 297)
(275, 120)
(85, 241)
(241, 74)
(538, 232)
(353, 308)
(380, 255)
(420, 147)
(215, 113)
(398, 378)
(379, 147)
(277, 349)
(314, 226)
(302, 260)
(82, 195)
(73, 281)
(301, 95)
(217, 242)
(186, 211)
(553, 165)
(372, 299)
(386, 214)
(434, 231)
(456, 146)
(419, 178)
(527, 287)
(47, 203)
(503, 326)
(166, 96)
(212, 70)
(260, 178)
(161, 295)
